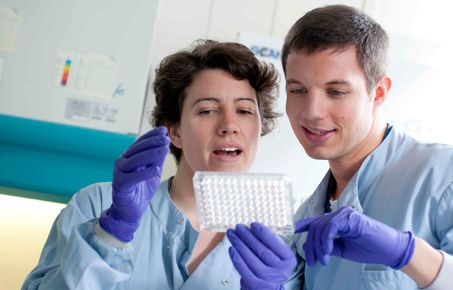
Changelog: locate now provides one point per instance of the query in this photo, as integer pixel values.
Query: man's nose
(314, 107)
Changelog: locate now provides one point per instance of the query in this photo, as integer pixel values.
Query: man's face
(328, 105)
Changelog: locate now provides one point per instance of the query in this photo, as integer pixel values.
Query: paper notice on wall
(91, 74)
(9, 21)
(104, 112)
(266, 48)
(102, 75)
(78, 109)
(85, 110)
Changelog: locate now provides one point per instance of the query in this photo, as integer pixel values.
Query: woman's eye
(207, 112)
(296, 91)
(245, 112)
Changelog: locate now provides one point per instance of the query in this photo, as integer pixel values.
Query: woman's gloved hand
(136, 177)
(262, 259)
(351, 235)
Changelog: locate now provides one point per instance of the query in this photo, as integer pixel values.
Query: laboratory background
(75, 80)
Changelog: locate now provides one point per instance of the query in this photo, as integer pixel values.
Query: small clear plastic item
(225, 199)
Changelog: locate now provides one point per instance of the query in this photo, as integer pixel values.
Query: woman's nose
(228, 124)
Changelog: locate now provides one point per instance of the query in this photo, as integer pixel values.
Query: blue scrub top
(403, 183)
(74, 257)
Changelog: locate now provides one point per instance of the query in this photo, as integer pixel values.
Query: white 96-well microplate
(226, 199)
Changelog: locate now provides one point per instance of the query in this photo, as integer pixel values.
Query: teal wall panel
(55, 159)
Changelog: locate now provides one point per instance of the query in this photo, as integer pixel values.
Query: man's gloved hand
(136, 177)
(351, 235)
(262, 259)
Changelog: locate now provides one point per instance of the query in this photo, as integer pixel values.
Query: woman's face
(220, 123)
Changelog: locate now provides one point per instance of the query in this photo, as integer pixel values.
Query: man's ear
(382, 90)
(175, 137)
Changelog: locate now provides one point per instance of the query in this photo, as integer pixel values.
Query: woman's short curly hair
(177, 71)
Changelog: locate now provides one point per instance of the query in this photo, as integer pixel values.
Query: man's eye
(336, 93)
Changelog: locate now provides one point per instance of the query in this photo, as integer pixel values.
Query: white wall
(421, 98)
(105, 51)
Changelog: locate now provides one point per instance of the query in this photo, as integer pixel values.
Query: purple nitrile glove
(261, 257)
(351, 235)
(136, 177)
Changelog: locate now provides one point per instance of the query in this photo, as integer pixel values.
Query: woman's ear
(173, 133)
